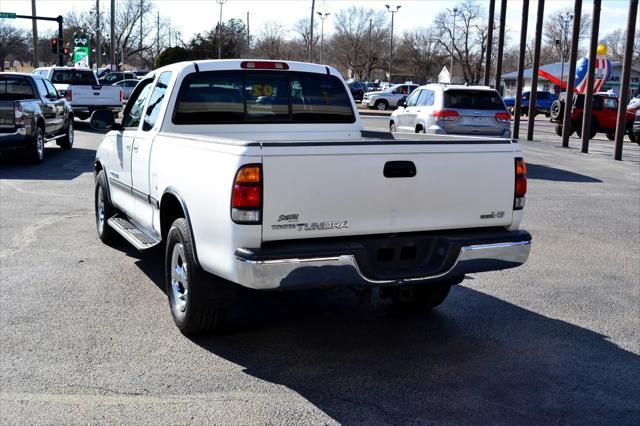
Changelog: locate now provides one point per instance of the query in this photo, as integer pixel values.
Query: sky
(192, 16)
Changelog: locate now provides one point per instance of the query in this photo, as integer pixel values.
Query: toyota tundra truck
(258, 174)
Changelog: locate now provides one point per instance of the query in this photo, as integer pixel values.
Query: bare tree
(302, 29)
(470, 44)
(556, 29)
(14, 43)
(352, 46)
(270, 43)
(420, 53)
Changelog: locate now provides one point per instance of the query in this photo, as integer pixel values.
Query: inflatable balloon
(602, 71)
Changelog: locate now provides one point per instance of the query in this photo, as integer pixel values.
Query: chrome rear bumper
(343, 270)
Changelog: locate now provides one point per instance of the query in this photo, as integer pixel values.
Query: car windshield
(472, 99)
(15, 89)
(77, 77)
(262, 97)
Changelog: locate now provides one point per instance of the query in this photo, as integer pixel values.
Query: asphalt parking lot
(87, 337)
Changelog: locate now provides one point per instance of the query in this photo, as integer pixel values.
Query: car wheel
(36, 150)
(392, 127)
(381, 105)
(198, 301)
(632, 136)
(611, 136)
(66, 142)
(558, 130)
(103, 210)
(557, 110)
(426, 296)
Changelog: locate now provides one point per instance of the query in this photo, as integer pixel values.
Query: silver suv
(462, 110)
(388, 98)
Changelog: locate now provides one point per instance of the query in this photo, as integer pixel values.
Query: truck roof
(236, 64)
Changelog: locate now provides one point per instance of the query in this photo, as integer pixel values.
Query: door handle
(128, 147)
(399, 169)
(135, 148)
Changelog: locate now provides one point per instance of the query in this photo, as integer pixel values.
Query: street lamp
(566, 21)
(220, 2)
(454, 12)
(393, 12)
(323, 16)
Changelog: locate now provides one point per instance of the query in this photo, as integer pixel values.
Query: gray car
(127, 87)
(388, 98)
(448, 109)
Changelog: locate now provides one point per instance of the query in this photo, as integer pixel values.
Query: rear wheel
(392, 127)
(198, 301)
(558, 130)
(36, 150)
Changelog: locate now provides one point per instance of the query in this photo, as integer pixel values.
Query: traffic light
(55, 42)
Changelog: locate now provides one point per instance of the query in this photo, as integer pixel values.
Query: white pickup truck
(257, 173)
(82, 90)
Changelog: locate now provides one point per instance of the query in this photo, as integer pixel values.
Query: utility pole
(158, 34)
(220, 2)
(141, 22)
(487, 66)
(591, 74)
(503, 19)
(453, 42)
(35, 34)
(112, 41)
(369, 52)
(533, 93)
(98, 41)
(571, 76)
(323, 16)
(563, 44)
(626, 74)
(313, 6)
(248, 33)
(393, 12)
(523, 45)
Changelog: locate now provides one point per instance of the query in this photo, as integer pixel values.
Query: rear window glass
(472, 99)
(262, 97)
(77, 77)
(15, 89)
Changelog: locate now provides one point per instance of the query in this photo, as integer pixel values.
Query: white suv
(444, 109)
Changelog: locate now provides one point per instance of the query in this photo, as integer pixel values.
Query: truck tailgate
(354, 188)
(95, 95)
(7, 116)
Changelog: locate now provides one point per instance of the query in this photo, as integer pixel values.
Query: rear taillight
(503, 117)
(68, 95)
(246, 196)
(446, 115)
(521, 184)
(264, 65)
(18, 114)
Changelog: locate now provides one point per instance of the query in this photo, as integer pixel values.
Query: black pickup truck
(32, 112)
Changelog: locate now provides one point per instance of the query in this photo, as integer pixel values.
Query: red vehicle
(603, 115)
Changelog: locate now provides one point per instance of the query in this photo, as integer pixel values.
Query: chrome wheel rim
(40, 146)
(70, 133)
(100, 211)
(179, 278)
(382, 106)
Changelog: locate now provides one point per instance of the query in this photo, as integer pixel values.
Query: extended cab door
(57, 123)
(119, 164)
(48, 107)
(140, 157)
(405, 115)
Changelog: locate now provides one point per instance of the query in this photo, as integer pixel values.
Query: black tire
(381, 105)
(632, 136)
(198, 300)
(557, 110)
(558, 130)
(66, 142)
(103, 210)
(392, 127)
(36, 148)
(426, 296)
(611, 136)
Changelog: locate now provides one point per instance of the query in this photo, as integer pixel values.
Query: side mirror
(62, 93)
(402, 102)
(103, 119)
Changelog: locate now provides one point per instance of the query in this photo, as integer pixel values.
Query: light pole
(220, 2)
(322, 16)
(454, 12)
(566, 20)
(393, 12)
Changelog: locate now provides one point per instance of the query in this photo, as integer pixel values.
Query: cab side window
(157, 98)
(133, 115)
(426, 98)
(413, 99)
(42, 88)
(53, 93)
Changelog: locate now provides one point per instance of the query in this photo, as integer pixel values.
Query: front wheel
(36, 150)
(103, 210)
(381, 105)
(198, 301)
(392, 127)
(66, 142)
